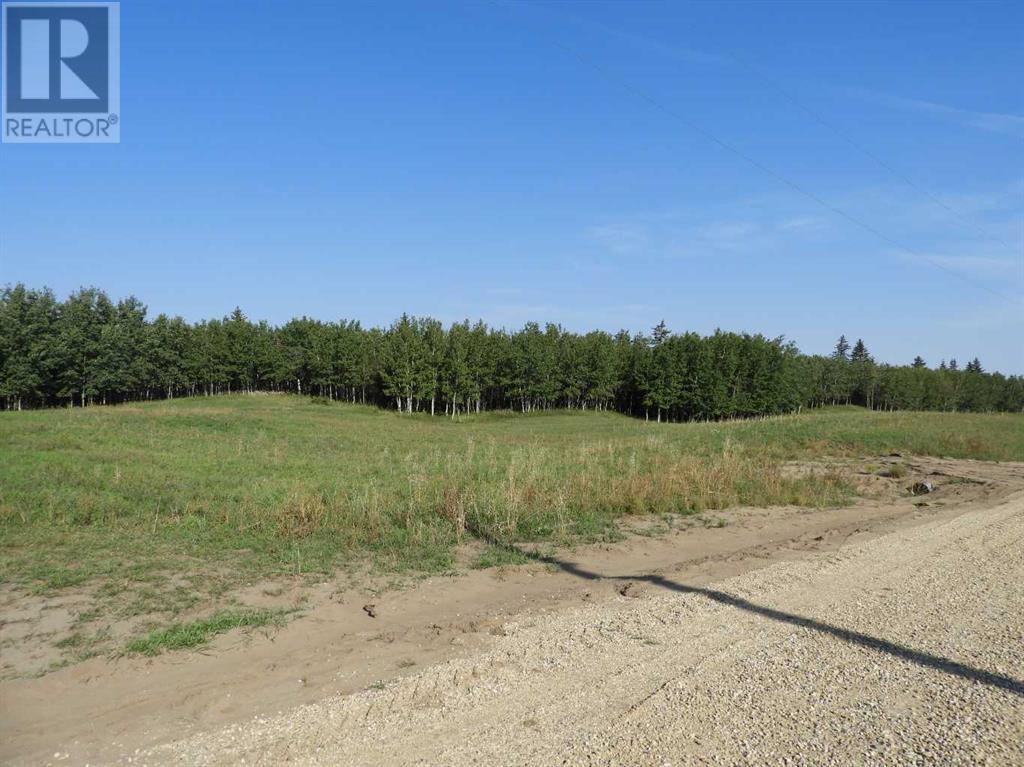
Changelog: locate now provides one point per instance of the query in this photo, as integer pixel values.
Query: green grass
(152, 504)
(500, 556)
(193, 634)
(80, 645)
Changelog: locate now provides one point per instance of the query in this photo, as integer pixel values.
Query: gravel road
(908, 649)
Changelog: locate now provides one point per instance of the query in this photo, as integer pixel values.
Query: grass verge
(193, 634)
(157, 509)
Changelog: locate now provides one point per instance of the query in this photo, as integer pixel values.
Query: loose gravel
(906, 650)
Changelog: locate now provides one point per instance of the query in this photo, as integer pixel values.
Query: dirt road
(907, 649)
(889, 632)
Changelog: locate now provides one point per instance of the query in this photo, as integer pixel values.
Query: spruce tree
(841, 350)
(660, 334)
(860, 352)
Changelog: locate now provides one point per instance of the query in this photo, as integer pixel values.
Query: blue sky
(538, 161)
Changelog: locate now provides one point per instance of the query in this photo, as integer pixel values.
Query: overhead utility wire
(817, 117)
(658, 106)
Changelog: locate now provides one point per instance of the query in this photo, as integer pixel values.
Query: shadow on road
(903, 652)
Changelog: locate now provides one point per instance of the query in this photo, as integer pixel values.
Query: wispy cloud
(638, 42)
(503, 291)
(593, 267)
(673, 235)
(728, 234)
(980, 266)
(621, 238)
(781, 224)
(802, 224)
(988, 317)
(995, 122)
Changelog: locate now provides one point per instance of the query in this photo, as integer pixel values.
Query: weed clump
(198, 633)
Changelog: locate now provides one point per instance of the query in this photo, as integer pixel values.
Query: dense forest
(89, 350)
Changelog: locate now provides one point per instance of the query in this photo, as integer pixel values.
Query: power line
(873, 156)
(817, 117)
(658, 106)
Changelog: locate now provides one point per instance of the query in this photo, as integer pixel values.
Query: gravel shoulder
(885, 633)
(908, 649)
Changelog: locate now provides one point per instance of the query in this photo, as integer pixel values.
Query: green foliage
(244, 487)
(181, 636)
(88, 350)
(501, 556)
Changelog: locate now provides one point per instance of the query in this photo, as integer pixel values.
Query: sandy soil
(887, 632)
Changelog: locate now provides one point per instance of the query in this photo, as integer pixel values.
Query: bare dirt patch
(104, 707)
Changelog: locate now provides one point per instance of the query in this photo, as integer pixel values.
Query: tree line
(89, 350)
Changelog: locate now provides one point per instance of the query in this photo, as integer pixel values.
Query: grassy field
(159, 506)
